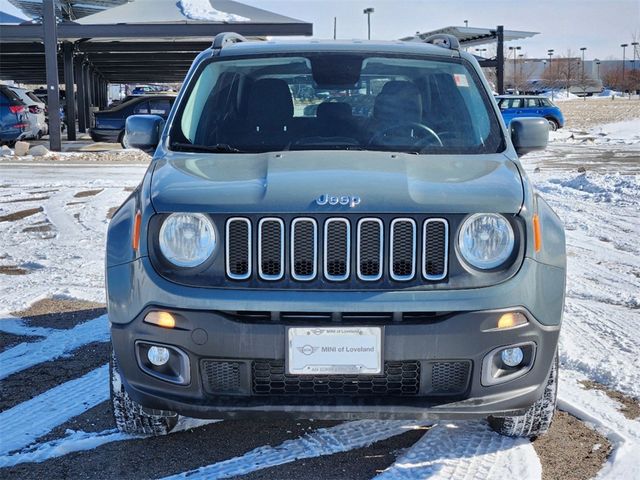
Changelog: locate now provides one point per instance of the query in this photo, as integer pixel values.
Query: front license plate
(335, 350)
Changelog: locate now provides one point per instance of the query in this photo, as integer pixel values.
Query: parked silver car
(34, 114)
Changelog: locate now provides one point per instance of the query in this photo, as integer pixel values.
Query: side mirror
(143, 132)
(529, 134)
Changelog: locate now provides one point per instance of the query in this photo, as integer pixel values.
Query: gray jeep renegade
(335, 230)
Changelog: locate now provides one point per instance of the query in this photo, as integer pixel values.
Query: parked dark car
(109, 124)
(516, 106)
(13, 122)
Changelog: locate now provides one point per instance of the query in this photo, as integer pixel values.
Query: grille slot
(399, 379)
(402, 260)
(435, 249)
(238, 248)
(304, 249)
(370, 248)
(450, 378)
(271, 248)
(337, 249)
(220, 376)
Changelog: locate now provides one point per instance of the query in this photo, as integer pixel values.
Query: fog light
(158, 355)
(512, 357)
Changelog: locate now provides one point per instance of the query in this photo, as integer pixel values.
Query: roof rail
(443, 40)
(223, 39)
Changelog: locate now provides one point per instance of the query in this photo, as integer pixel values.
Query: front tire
(128, 414)
(553, 125)
(537, 419)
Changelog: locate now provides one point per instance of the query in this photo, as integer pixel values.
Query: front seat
(269, 113)
(399, 102)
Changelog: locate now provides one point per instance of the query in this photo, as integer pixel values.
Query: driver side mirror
(529, 134)
(143, 132)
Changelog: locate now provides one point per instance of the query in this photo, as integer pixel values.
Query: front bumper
(214, 335)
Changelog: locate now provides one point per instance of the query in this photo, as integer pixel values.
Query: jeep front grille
(337, 249)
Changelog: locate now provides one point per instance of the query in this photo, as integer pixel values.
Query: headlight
(485, 240)
(187, 239)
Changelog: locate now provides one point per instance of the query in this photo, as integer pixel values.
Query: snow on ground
(60, 242)
(60, 247)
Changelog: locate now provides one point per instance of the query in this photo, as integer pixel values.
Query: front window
(337, 102)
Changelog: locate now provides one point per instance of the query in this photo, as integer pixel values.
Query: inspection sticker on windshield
(461, 79)
(334, 350)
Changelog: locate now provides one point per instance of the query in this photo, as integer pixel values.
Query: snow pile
(627, 131)
(203, 10)
(559, 95)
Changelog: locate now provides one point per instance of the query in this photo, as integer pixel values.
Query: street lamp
(624, 46)
(466, 23)
(514, 65)
(597, 60)
(550, 53)
(368, 12)
(584, 88)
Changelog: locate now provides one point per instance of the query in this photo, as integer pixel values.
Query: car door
(160, 106)
(532, 107)
(510, 108)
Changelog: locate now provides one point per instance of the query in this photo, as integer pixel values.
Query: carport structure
(144, 41)
(471, 36)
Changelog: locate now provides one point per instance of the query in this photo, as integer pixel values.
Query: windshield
(336, 102)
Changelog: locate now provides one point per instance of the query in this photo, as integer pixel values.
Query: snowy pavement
(52, 224)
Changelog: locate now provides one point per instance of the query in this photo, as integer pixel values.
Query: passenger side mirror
(529, 134)
(143, 132)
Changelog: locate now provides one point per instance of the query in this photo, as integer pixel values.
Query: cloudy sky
(599, 25)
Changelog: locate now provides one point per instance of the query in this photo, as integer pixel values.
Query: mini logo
(346, 200)
(308, 350)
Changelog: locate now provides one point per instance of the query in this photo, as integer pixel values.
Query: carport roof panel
(469, 36)
(169, 11)
(73, 9)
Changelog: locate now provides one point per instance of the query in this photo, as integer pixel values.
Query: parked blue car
(109, 124)
(13, 122)
(515, 106)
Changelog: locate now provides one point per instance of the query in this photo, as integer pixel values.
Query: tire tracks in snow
(324, 441)
(23, 424)
(56, 344)
(465, 451)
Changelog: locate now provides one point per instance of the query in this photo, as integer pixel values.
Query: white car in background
(35, 114)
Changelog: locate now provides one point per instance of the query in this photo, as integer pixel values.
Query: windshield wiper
(217, 148)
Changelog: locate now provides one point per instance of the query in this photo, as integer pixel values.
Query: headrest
(398, 102)
(269, 102)
(332, 110)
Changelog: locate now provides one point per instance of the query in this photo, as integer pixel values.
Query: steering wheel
(425, 133)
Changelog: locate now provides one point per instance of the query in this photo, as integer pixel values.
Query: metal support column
(82, 122)
(500, 59)
(87, 96)
(69, 90)
(51, 62)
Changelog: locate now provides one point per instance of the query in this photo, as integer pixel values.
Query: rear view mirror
(529, 134)
(143, 132)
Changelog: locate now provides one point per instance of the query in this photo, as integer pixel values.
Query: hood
(290, 182)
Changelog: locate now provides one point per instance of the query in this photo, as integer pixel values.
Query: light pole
(368, 12)
(584, 87)
(550, 53)
(597, 60)
(624, 46)
(466, 23)
(514, 65)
